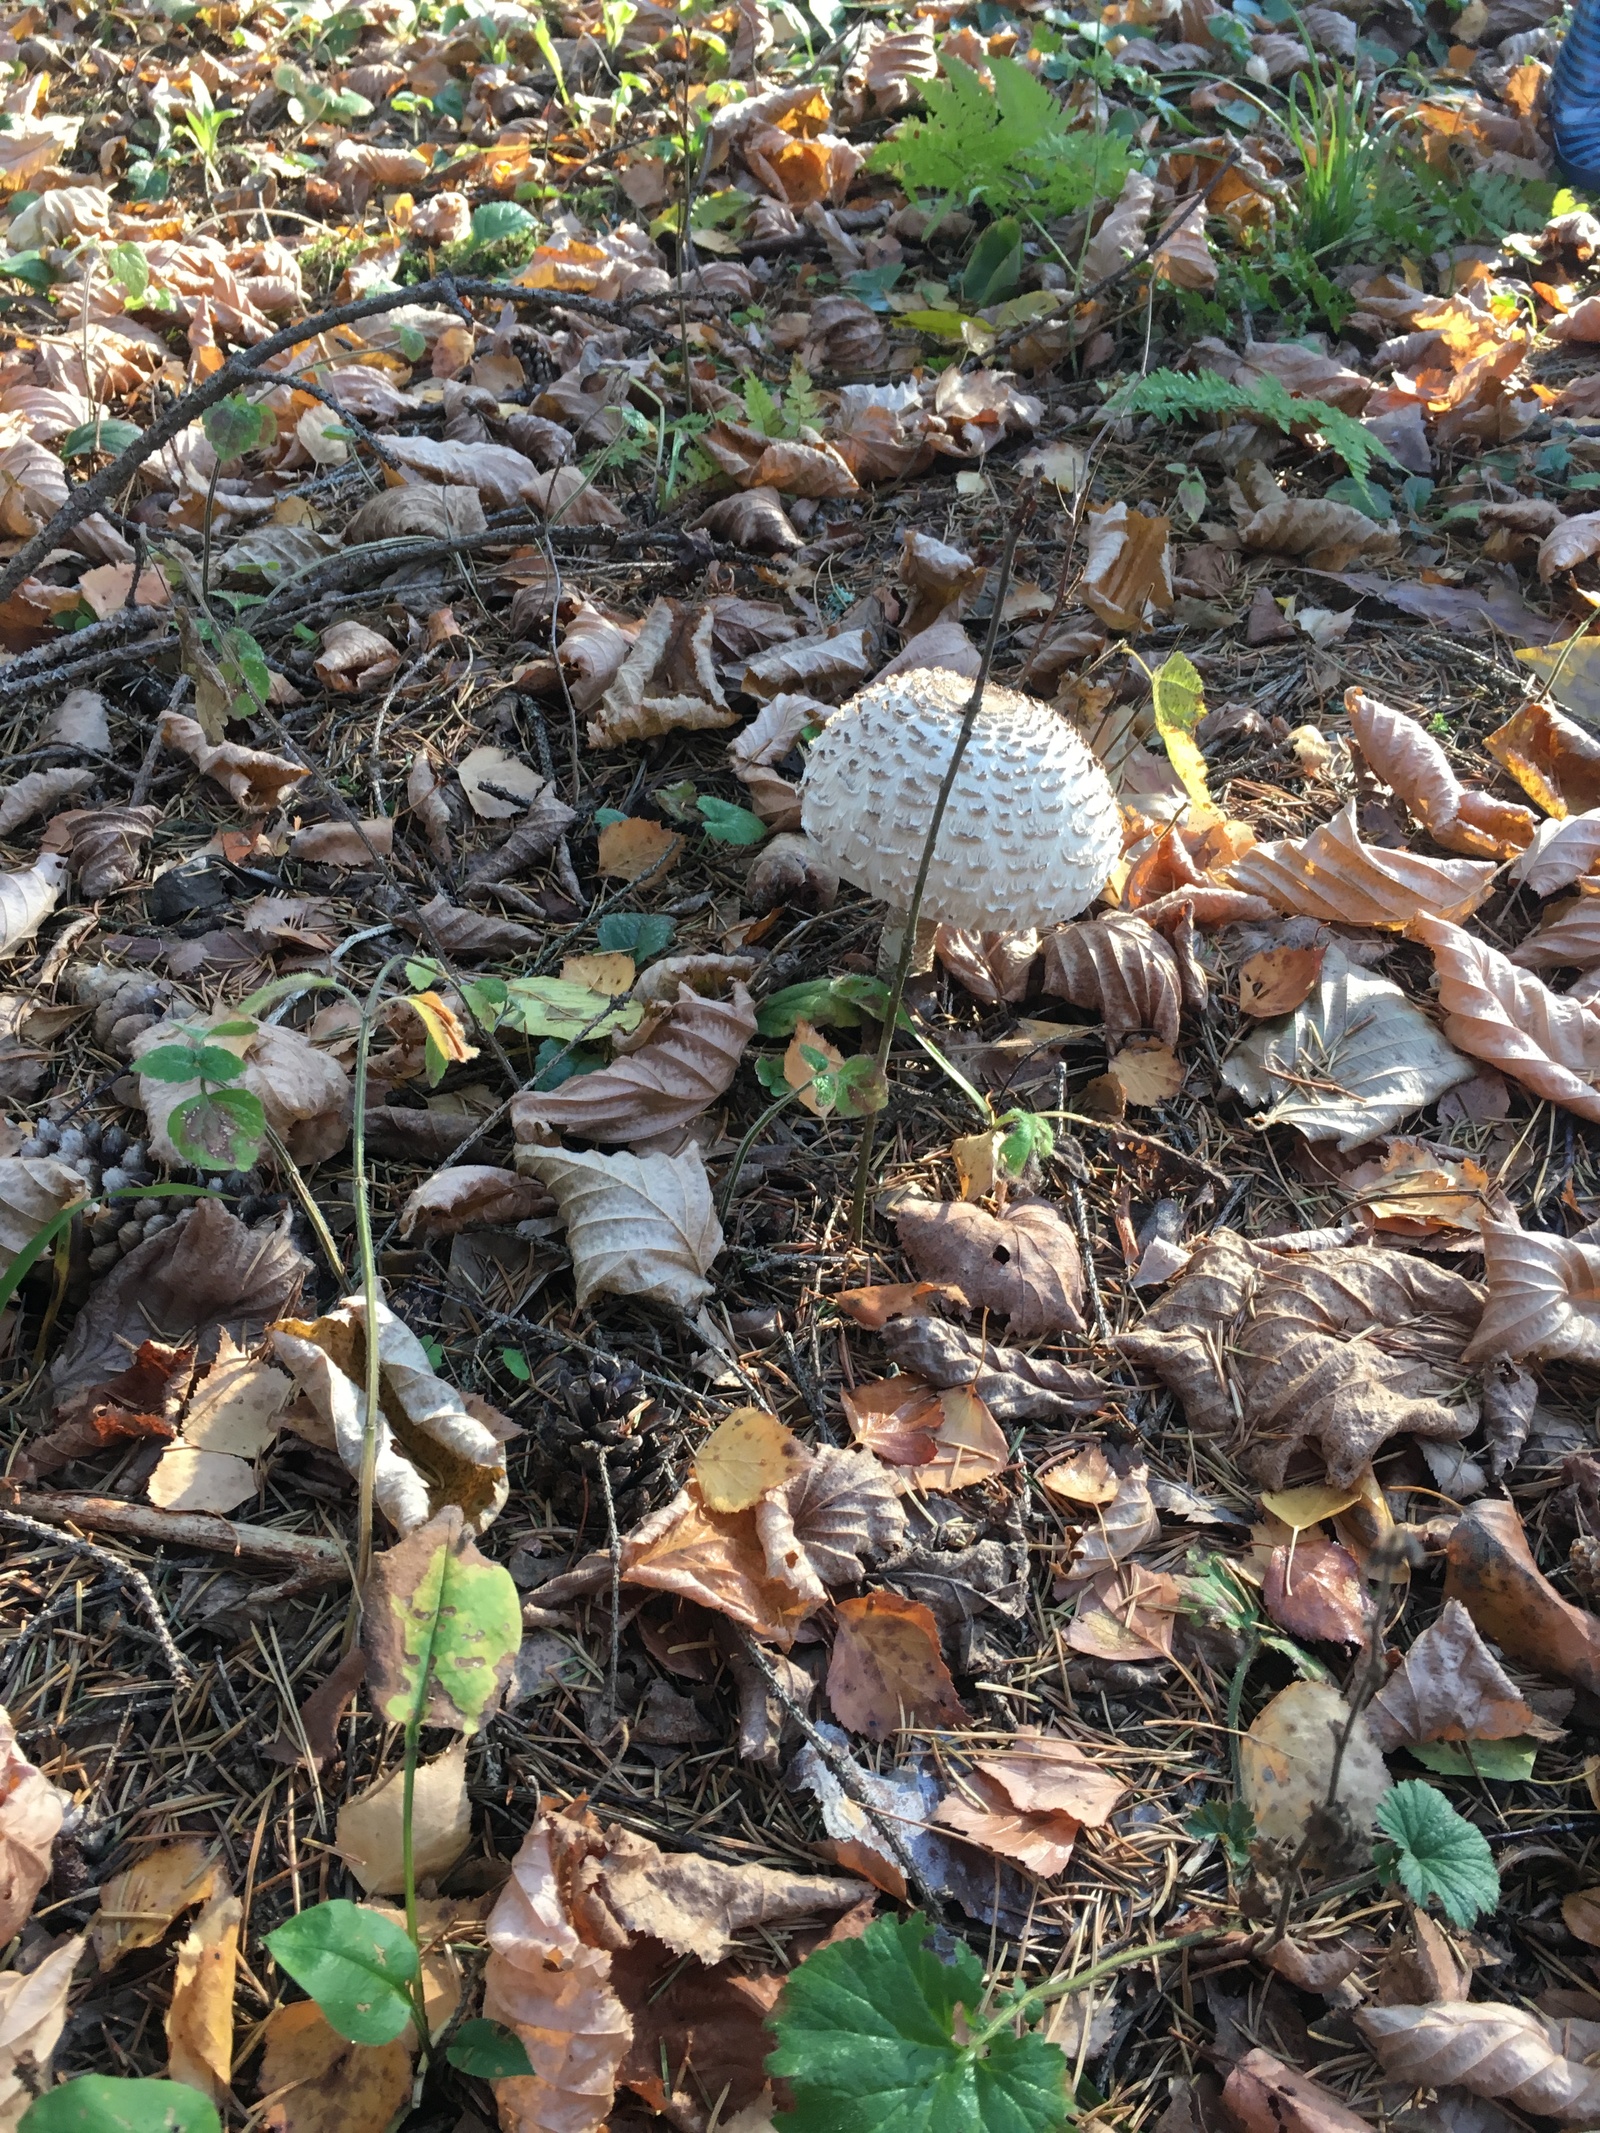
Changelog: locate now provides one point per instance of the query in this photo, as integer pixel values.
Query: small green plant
(785, 413)
(1342, 144)
(538, 1007)
(1178, 396)
(109, 2103)
(220, 1127)
(504, 237)
(203, 123)
(1013, 149)
(1435, 1851)
(310, 101)
(325, 260)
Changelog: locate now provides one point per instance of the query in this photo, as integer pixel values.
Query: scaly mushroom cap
(1031, 832)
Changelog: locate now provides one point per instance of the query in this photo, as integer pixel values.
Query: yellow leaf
(975, 1156)
(446, 1037)
(319, 2083)
(744, 1456)
(1310, 1505)
(610, 974)
(200, 2018)
(631, 848)
(1147, 1074)
(1180, 704)
(137, 1907)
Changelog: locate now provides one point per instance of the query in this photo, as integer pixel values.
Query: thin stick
(129, 1574)
(318, 1561)
(614, 1549)
(1019, 518)
(369, 1281)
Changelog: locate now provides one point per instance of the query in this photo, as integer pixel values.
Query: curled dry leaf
(1115, 1530)
(498, 786)
(1262, 2095)
(690, 1059)
(27, 899)
(1490, 1569)
(200, 2016)
(634, 847)
(1127, 567)
(1013, 1386)
(1024, 1263)
(471, 1196)
(32, 1189)
(1353, 1061)
(138, 1905)
(1121, 966)
(829, 1522)
(950, 1437)
(1413, 1191)
(33, 2013)
(637, 1226)
(252, 779)
(1571, 939)
(31, 1811)
(1315, 1590)
(1341, 1349)
(1332, 875)
(1561, 852)
(715, 1559)
(425, 798)
(1412, 764)
(431, 1450)
(886, 1670)
(104, 846)
(1492, 2050)
(1286, 1757)
(1571, 542)
(354, 660)
(35, 794)
(1029, 1802)
(993, 967)
(1328, 535)
(1509, 1019)
(667, 682)
(305, 1093)
(1450, 1686)
(1554, 760)
(1126, 1614)
(1543, 1300)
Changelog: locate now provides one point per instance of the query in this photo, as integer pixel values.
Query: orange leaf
(887, 1671)
(1278, 979)
(630, 849)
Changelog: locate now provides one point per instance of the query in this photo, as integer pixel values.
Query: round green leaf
(489, 2050)
(221, 1129)
(728, 824)
(171, 1062)
(101, 2103)
(354, 1963)
(1438, 1852)
(235, 426)
(497, 219)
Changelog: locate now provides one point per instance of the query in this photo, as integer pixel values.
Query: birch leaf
(1354, 1060)
(200, 2018)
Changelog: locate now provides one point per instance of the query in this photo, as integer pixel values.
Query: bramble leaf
(1436, 1852)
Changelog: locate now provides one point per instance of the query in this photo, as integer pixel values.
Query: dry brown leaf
(508, 775)
(1571, 939)
(35, 794)
(1554, 760)
(1121, 233)
(746, 1454)
(689, 1060)
(471, 1196)
(32, 1189)
(1580, 1914)
(825, 667)
(1121, 966)
(576, 2033)
(1342, 1349)
(1412, 1191)
(696, 1906)
(354, 660)
(1570, 543)
(715, 1559)
(1491, 1571)
(31, 1810)
(503, 478)
(1115, 1530)
(829, 1523)
(668, 680)
(886, 1670)
(200, 2016)
(1332, 875)
(949, 1436)
(993, 967)
(754, 520)
(631, 849)
(1412, 764)
(1505, 1016)
(80, 721)
(943, 580)
(27, 899)
(1043, 1774)
(1081, 1477)
(1127, 568)
(305, 1093)
(637, 1226)
(1562, 851)
(104, 846)
(425, 798)
(1126, 1614)
(981, 1811)
(1450, 1686)
(1146, 1074)
(138, 1905)
(1024, 1263)
(1184, 257)
(1328, 535)
(321, 2083)
(1287, 1755)
(1314, 1590)
(368, 1833)
(1276, 980)
(33, 2013)
(251, 779)
(446, 926)
(1543, 1300)
(1262, 2095)
(1492, 2050)
(878, 1307)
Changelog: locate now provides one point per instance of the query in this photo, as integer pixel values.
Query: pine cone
(607, 1416)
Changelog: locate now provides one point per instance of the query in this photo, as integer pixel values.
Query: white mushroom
(1031, 832)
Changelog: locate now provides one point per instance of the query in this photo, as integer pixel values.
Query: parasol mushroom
(1031, 831)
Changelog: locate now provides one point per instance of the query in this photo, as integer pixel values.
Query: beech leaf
(679, 1072)
(1450, 1686)
(1333, 876)
(1504, 1016)
(1503, 2052)
(637, 1226)
(1121, 966)
(1024, 1263)
(886, 1670)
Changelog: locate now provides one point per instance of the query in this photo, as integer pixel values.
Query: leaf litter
(696, 370)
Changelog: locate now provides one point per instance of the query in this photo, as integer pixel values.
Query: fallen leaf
(1580, 1914)
(1450, 1686)
(1286, 1759)
(1146, 1074)
(1333, 876)
(1081, 1477)
(508, 775)
(471, 1196)
(321, 2083)
(717, 1560)
(33, 2013)
(31, 1811)
(880, 1306)
(696, 1906)
(637, 1226)
(667, 682)
(303, 1090)
(1562, 851)
(993, 967)
(1032, 1799)
(1302, 1508)
(608, 974)
(1411, 1191)
(1570, 939)
(200, 2016)
(368, 1833)
(1412, 764)
(980, 1810)
(1127, 567)
(431, 1450)
(1123, 967)
(886, 1671)
(633, 848)
(1355, 1059)
(104, 846)
(27, 899)
(689, 1060)
(251, 779)
(1329, 536)
(1262, 2095)
(1276, 980)
(1024, 1263)
(186, 1479)
(1315, 1591)
(1013, 1386)
(1492, 2050)
(1184, 257)
(1544, 1296)
(1556, 762)
(1114, 1531)
(32, 1189)
(36, 794)
(354, 660)
(1126, 1614)
(236, 1404)
(746, 1454)
(1490, 1569)
(440, 1627)
(138, 1905)
(828, 1522)
(1506, 1017)
(1342, 1349)
(1571, 542)
(949, 1436)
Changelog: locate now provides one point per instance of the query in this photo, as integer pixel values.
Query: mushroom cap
(1032, 830)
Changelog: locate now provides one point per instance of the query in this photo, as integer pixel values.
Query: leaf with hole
(354, 1963)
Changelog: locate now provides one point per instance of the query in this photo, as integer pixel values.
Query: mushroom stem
(892, 942)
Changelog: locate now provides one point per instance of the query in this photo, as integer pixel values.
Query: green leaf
(213, 1063)
(1437, 1852)
(219, 1129)
(489, 2050)
(1215, 1593)
(1231, 1823)
(1506, 1761)
(171, 1062)
(497, 219)
(236, 426)
(1180, 702)
(1028, 1134)
(517, 1363)
(104, 2103)
(866, 2040)
(440, 1625)
(354, 1963)
(640, 934)
(770, 1074)
(858, 1088)
(105, 435)
(728, 824)
(761, 407)
(556, 1007)
(995, 268)
(823, 1002)
(31, 268)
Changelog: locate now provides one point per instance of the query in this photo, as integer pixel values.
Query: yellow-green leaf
(1180, 705)
(441, 1626)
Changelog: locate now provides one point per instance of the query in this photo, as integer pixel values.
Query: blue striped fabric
(1574, 101)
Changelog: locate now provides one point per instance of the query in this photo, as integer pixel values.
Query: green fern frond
(1176, 396)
